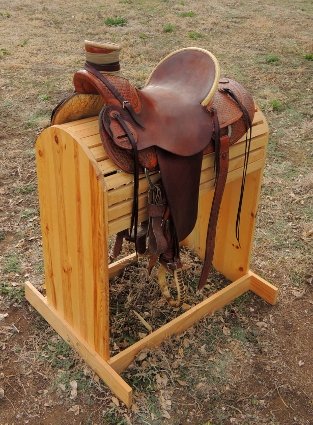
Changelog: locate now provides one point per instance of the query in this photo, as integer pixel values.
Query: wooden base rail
(108, 370)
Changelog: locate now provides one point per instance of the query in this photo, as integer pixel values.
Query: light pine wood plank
(263, 289)
(118, 266)
(123, 222)
(126, 192)
(48, 218)
(99, 153)
(126, 196)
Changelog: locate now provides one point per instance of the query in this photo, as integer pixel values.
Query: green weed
(13, 293)
(309, 56)
(143, 381)
(117, 21)
(112, 417)
(28, 213)
(26, 189)
(40, 118)
(276, 105)
(3, 53)
(189, 14)
(23, 43)
(44, 97)
(59, 354)
(194, 35)
(40, 267)
(5, 15)
(12, 264)
(143, 36)
(168, 28)
(272, 59)
(239, 333)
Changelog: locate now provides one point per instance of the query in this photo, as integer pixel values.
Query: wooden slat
(99, 153)
(49, 218)
(125, 206)
(122, 179)
(83, 129)
(126, 192)
(92, 141)
(88, 128)
(81, 123)
(107, 166)
(123, 222)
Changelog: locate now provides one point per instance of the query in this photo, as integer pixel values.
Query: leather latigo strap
(221, 161)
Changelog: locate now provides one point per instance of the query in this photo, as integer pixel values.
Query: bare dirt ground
(248, 364)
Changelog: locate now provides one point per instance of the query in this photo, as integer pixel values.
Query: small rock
(298, 294)
(73, 385)
(142, 356)
(75, 409)
(226, 331)
(3, 316)
(115, 401)
(166, 415)
(301, 363)
(1, 393)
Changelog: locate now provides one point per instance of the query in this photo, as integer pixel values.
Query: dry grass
(249, 364)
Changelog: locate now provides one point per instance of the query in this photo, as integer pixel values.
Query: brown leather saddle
(183, 112)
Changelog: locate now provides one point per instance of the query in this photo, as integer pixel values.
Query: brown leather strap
(107, 114)
(248, 124)
(157, 241)
(222, 161)
(124, 102)
(105, 67)
(117, 249)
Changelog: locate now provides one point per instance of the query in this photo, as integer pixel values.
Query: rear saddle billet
(183, 112)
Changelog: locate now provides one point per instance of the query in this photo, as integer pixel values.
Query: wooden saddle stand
(178, 162)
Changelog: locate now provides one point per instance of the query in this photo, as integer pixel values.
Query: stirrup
(180, 287)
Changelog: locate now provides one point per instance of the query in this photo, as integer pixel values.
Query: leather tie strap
(106, 67)
(222, 161)
(248, 124)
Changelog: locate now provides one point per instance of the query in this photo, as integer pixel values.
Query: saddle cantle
(183, 112)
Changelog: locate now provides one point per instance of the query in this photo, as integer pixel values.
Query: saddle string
(124, 102)
(248, 125)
